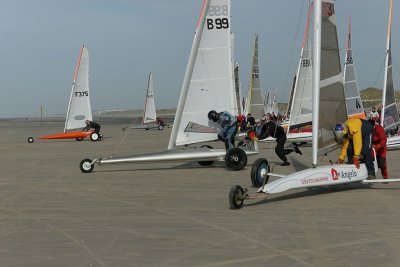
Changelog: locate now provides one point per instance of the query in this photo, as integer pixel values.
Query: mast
(316, 80)
(188, 75)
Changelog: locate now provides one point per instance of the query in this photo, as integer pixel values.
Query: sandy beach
(177, 214)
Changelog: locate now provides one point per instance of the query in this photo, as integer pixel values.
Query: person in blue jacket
(228, 127)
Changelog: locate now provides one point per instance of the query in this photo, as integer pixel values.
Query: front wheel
(259, 172)
(86, 166)
(236, 197)
(236, 158)
(160, 127)
(31, 140)
(79, 139)
(94, 136)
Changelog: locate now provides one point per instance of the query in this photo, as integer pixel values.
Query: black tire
(235, 158)
(160, 127)
(209, 162)
(79, 139)
(94, 136)
(86, 166)
(124, 129)
(259, 172)
(31, 140)
(236, 197)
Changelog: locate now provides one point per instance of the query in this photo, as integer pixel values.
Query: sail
(290, 102)
(301, 102)
(211, 83)
(353, 100)
(149, 114)
(390, 113)
(256, 107)
(79, 108)
(332, 103)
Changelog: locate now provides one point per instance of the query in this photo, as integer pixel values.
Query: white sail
(79, 108)
(301, 102)
(332, 102)
(353, 100)
(149, 113)
(256, 107)
(390, 114)
(211, 83)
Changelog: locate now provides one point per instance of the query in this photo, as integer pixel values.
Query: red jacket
(380, 140)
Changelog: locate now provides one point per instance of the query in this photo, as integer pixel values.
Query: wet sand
(177, 214)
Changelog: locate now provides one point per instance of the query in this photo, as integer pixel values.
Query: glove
(356, 161)
(377, 146)
(340, 161)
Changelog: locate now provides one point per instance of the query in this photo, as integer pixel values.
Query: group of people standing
(359, 137)
(229, 126)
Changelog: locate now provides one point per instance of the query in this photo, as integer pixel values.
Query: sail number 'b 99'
(218, 23)
(81, 94)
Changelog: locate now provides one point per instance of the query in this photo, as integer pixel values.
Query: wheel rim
(262, 172)
(86, 166)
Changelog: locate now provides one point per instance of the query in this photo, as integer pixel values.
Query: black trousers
(367, 131)
(280, 148)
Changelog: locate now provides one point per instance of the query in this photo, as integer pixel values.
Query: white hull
(393, 143)
(319, 176)
(292, 137)
(173, 155)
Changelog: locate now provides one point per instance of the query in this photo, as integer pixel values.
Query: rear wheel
(124, 129)
(236, 197)
(94, 136)
(31, 140)
(208, 162)
(259, 172)
(160, 127)
(236, 159)
(86, 166)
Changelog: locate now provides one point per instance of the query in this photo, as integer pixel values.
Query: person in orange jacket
(357, 135)
(379, 144)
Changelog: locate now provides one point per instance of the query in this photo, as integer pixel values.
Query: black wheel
(79, 139)
(235, 158)
(94, 136)
(259, 172)
(236, 197)
(209, 162)
(124, 129)
(160, 127)
(31, 140)
(86, 165)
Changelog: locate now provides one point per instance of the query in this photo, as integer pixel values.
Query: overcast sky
(127, 39)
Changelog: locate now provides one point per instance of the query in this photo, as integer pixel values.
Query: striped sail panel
(149, 107)
(353, 100)
(256, 107)
(332, 98)
(301, 103)
(390, 112)
(212, 83)
(79, 108)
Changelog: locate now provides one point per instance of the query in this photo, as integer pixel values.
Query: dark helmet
(213, 115)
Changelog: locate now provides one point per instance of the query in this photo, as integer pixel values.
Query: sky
(128, 39)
